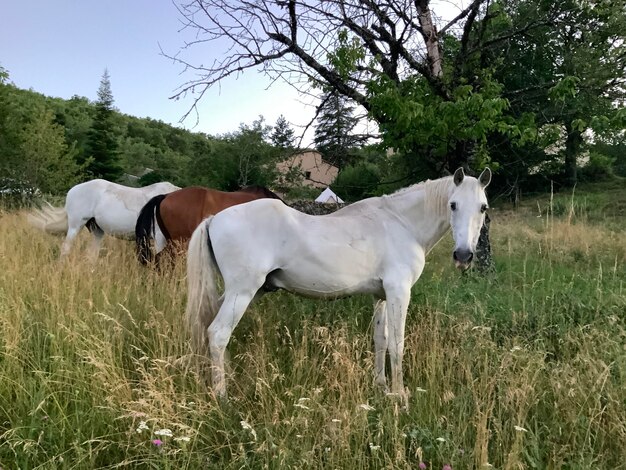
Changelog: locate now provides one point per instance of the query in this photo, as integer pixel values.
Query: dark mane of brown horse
(261, 190)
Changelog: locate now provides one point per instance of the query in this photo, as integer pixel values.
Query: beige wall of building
(315, 172)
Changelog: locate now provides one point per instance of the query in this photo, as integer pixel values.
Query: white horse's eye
(453, 206)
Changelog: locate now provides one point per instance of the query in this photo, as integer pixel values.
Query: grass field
(523, 369)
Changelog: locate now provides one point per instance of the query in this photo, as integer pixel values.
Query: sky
(61, 48)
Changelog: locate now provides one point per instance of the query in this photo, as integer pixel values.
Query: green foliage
(45, 159)
(32, 145)
(415, 120)
(357, 181)
(347, 55)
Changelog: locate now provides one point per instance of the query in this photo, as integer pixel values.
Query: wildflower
(366, 407)
(374, 448)
(422, 466)
(335, 420)
(246, 425)
(520, 429)
(440, 439)
(157, 442)
(515, 348)
(163, 432)
(182, 439)
(447, 467)
(142, 426)
(420, 390)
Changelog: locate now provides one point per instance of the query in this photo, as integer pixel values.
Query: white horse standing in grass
(102, 206)
(375, 246)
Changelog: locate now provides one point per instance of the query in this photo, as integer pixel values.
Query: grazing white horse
(375, 246)
(102, 206)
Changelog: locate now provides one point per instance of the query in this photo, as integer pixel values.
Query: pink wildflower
(447, 467)
(157, 442)
(422, 466)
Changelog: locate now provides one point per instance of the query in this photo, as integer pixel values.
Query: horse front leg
(380, 342)
(398, 296)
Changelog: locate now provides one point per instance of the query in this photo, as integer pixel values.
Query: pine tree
(333, 133)
(283, 135)
(103, 147)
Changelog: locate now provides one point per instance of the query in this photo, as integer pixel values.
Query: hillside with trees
(535, 90)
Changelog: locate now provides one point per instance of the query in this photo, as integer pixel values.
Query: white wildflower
(520, 429)
(182, 439)
(420, 390)
(515, 348)
(373, 447)
(440, 439)
(142, 426)
(163, 432)
(335, 420)
(246, 425)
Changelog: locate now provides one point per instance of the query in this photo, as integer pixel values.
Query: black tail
(144, 230)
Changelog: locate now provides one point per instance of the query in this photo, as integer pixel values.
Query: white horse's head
(467, 203)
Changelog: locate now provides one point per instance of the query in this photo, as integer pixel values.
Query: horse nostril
(462, 256)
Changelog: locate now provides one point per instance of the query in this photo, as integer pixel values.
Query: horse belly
(330, 275)
(117, 220)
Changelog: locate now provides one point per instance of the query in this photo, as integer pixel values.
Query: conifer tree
(283, 135)
(103, 146)
(333, 133)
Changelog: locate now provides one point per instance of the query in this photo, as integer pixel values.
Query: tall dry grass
(523, 369)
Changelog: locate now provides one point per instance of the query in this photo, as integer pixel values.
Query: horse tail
(202, 272)
(145, 227)
(49, 219)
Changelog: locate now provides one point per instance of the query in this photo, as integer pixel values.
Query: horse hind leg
(96, 241)
(233, 306)
(74, 225)
(381, 335)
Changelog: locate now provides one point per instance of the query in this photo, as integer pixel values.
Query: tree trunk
(484, 260)
(572, 148)
(429, 32)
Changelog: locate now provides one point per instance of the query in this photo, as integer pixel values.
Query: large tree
(420, 82)
(102, 143)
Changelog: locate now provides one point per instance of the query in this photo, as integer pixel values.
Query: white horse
(375, 246)
(102, 206)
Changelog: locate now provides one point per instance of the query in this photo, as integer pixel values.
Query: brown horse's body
(180, 212)
(183, 210)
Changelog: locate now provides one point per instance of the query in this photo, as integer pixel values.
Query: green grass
(523, 369)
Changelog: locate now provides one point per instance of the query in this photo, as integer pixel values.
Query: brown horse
(178, 213)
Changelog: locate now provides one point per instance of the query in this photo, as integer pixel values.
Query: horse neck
(423, 208)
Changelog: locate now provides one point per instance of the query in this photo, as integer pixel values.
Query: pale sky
(61, 47)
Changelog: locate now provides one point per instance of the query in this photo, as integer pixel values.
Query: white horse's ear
(459, 174)
(485, 178)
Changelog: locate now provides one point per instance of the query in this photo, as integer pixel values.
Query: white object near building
(329, 197)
